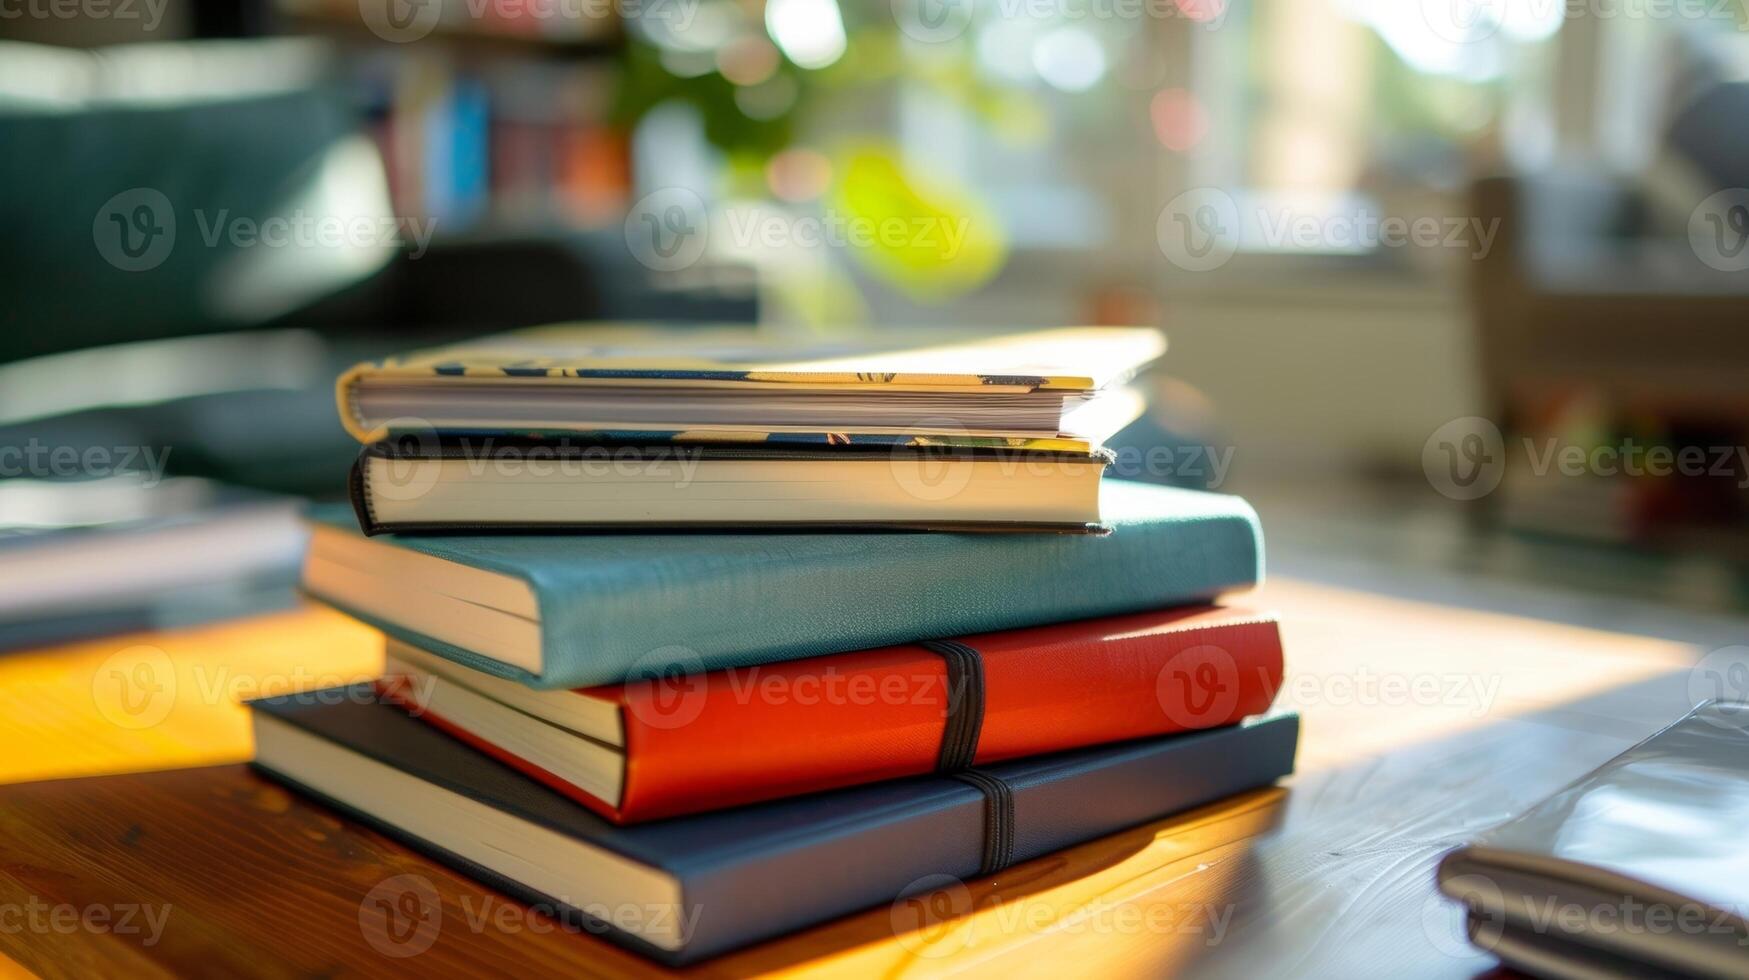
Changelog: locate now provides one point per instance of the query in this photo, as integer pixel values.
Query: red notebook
(667, 746)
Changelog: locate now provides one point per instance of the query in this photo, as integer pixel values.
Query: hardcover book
(583, 610)
(1056, 390)
(660, 748)
(684, 889)
(413, 486)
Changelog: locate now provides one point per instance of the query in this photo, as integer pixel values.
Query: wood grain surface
(1423, 724)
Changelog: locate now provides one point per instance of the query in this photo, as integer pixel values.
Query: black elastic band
(965, 704)
(998, 819)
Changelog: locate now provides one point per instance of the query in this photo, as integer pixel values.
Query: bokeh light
(1069, 58)
(1180, 122)
(810, 32)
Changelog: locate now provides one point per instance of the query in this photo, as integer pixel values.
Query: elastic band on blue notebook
(998, 819)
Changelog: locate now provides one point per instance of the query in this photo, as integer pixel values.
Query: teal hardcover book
(563, 611)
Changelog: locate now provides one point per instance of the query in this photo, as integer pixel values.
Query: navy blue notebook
(565, 611)
(684, 889)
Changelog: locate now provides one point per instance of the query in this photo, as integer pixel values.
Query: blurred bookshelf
(492, 116)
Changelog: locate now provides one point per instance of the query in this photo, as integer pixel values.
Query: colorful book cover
(603, 608)
(1071, 360)
(745, 735)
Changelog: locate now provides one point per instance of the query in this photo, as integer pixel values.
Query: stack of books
(813, 699)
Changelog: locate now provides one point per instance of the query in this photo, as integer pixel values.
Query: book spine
(358, 492)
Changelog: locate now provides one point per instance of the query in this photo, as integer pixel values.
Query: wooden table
(1423, 724)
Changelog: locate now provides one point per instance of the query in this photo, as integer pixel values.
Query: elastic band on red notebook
(965, 704)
